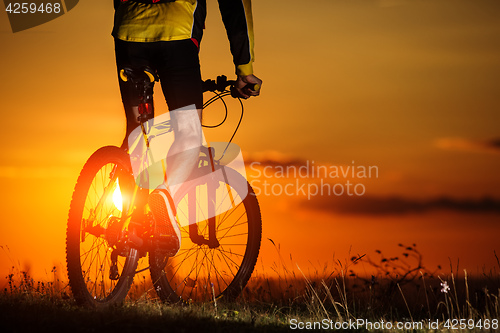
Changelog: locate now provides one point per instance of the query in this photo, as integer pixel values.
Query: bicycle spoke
(232, 225)
(236, 235)
(185, 259)
(216, 271)
(223, 252)
(227, 215)
(242, 223)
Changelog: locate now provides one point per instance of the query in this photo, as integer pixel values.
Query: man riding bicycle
(164, 36)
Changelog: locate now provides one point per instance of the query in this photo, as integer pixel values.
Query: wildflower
(445, 288)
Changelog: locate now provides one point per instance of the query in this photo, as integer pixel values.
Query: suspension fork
(194, 235)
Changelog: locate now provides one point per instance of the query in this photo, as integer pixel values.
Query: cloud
(468, 145)
(494, 143)
(273, 158)
(308, 171)
(278, 159)
(372, 205)
(381, 205)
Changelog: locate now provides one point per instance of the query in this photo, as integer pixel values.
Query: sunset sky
(408, 86)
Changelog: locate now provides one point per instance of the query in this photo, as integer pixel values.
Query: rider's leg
(185, 150)
(130, 54)
(181, 159)
(180, 78)
(137, 55)
(179, 70)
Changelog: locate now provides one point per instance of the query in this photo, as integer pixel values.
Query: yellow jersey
(139, 21)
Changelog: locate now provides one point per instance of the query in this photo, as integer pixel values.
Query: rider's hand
(241, 83)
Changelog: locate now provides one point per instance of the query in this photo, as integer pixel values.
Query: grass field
(400, 292)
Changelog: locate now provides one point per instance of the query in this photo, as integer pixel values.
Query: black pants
(176, 63)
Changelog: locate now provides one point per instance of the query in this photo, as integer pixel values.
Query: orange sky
(408, 86)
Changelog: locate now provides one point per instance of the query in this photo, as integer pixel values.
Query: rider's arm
(237, 18)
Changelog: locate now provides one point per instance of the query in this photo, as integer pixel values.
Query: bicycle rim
(94, 225)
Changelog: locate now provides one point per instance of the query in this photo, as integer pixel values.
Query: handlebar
(144, 78)
(222, 83)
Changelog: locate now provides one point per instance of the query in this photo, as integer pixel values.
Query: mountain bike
(110, 227)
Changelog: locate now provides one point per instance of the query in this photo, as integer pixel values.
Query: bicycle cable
(212, 100)
(221, 97)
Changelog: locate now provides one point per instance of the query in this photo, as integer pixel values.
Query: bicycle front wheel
(202, 272)
(100, 268)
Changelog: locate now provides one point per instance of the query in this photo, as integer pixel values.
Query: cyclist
(165, 36)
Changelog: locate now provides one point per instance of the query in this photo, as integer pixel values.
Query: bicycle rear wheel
(100, 268)
(200, 272)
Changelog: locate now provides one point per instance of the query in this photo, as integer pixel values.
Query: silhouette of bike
(110, 226)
